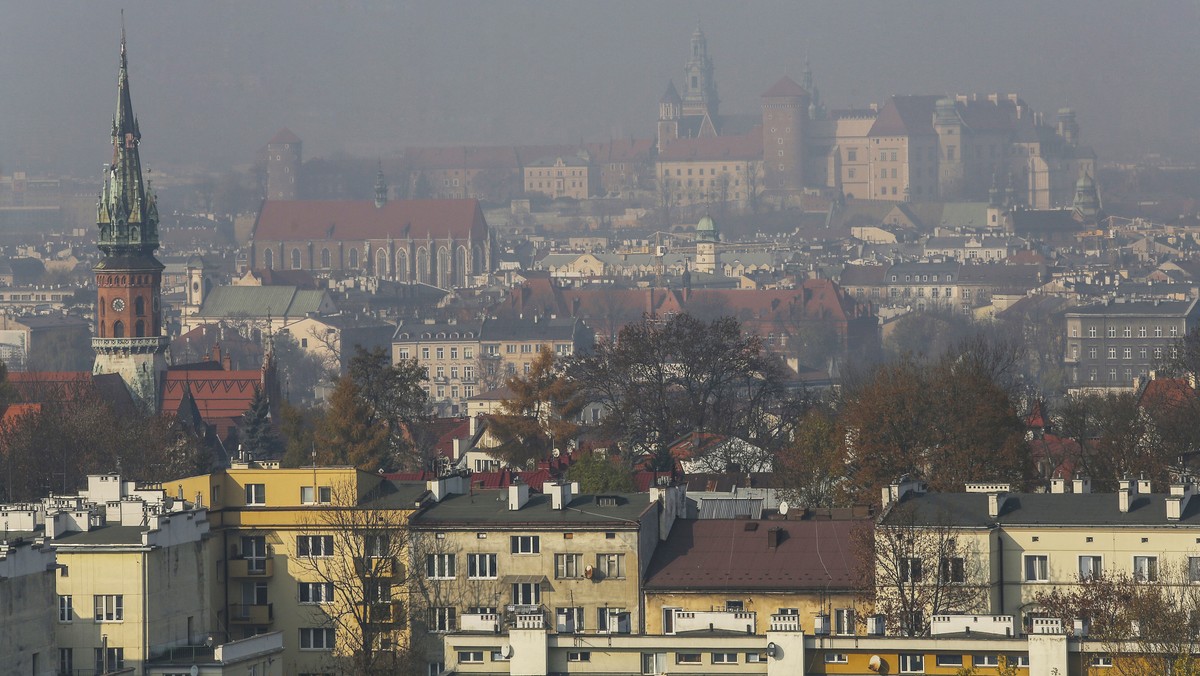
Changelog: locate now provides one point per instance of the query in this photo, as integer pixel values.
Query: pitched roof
(785, 87)
(221, 396)
(1037, 509)
(296, 220)
(261, 301)
(671, 95)
(906, 116)
(733, 554)
(710, 148)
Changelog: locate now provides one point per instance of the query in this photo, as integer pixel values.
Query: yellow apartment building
(316, 554)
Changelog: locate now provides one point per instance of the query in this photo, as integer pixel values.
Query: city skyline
(371, 78)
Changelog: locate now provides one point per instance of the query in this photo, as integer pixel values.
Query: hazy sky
(213, 80)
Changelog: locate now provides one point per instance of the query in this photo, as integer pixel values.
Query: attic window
(468, 334)
(606, 500)
(751, 526)
(441, 335)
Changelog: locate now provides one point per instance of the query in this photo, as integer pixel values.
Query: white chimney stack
(518, 495)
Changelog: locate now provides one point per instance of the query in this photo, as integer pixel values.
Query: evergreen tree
(346, 434)
(256, 432)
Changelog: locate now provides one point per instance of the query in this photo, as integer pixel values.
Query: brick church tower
(283, 166)
(128, 338)
(785, 112)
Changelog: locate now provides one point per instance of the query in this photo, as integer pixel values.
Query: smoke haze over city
(213, 81)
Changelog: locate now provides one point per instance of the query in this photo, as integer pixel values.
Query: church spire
(381, 188)
(126, 214)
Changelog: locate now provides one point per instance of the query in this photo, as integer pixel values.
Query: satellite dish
(783, 508)
(194, 671)
(556, 453)
(875, 664)
(507, 651)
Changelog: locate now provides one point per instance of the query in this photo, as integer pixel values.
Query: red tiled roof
(1170, 391)
(15, 412)
(709, 148)
(786, 87)
(221, 396)
(344, 219)
(705, 554)
(445, 431)
(284, 135)
(906, 116)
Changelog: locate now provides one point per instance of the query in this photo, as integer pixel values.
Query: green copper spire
(126, 214)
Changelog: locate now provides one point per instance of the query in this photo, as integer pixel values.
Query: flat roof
(490, 507)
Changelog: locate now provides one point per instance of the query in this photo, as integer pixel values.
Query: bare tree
(1147, 624)
(917, 567)
(352, 562)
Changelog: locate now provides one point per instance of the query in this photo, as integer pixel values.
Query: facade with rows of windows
(1111, 344)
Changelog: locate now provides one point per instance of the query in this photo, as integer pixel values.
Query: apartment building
(563, 176)
(450, 353)
(495, 560)
(1014, 545)
(1110, 344)
(316, 554)
(27, 597)
(509, 346)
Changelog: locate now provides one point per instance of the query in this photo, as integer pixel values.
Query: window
(314, 545)
(66, 612)
(316, 638)
(316, 592)
(1145, 568)
(1128, 354)
(527, 593)
(953, 570)
(611, 565)
(425, 353)
(66, 661)
(470, 656)
(109, 607)
(1194, 569)
(579, 656)
(568, 566)
(439, 566)
(1037, 568)
(526, 544)
(687, 658)
(835, 658)
(950, 660)
(734, 605)
(612, 621)
(724, 658)
(1158, 332)
(653, 663)
(109, 659)
(1101, 661)
(843, 621)
(985, 660)
(443, 618)
(568, 620)
(1174, 331)
(912, 664)
(323, 495)
(377, 546)
(1091, 332)
(256, 494)
(1112, 353)
(1112, 332)
(1091, 353)
(468, 353)
(481, 566)
(1090, 567)
(910, 570)
(1141, 332)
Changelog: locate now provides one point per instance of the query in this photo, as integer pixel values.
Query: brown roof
(284, 135)
(344, 219)
(747, 147)
(786, 87)
(221, 396)
(906, 116)
(863, 274)
(734, 554)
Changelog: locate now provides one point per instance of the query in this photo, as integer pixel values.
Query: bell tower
(128, 336)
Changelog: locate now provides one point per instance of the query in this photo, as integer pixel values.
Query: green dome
(706, 224)
(1085, 182)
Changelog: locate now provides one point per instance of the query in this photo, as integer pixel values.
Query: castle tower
(785, 113)
(128, 338)
(669, 110)
(283, 166)
(707, 237)
(699, 87)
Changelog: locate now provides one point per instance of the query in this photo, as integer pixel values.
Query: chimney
(900, 488)
(1178, 499)
(226, 362)
(1125, 494)
(518, 495)
(774, 537)
(995, 504)
(1143, 486)
(473, 425)
(1058, 486)
(1081, 485)
(560, 495)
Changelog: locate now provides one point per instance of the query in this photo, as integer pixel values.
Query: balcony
(525, 616)
(385, 613)
(379, 567)
(489, 622)
(785, 622)
(713, 620)
(239, 568)
(251, 614)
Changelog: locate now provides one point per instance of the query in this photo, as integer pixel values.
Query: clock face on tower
(118, 304)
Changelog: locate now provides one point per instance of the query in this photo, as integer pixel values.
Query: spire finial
(122, 36)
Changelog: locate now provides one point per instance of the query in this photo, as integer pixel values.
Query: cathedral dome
(706, 229)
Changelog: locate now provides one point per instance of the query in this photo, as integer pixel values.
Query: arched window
(295, 259)
(381, 266)
(423, 265)
(325, 258)
(269, 259)
(139, 329)
(139, 307)
(443, 268)
(354, 259)
(118, 329)
(402, 265)
(460, 267)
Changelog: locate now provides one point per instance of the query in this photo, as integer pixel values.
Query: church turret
(128, 337)
(707, 237)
